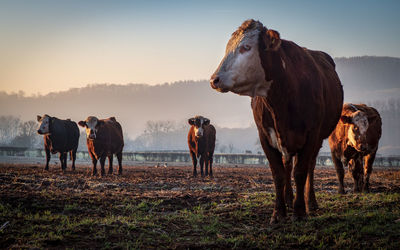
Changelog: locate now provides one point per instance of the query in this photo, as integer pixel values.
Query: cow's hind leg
(210, 159)
(110, 164)
(339, 172)
(368, 161)
(48, 156)
(311, 201)
(62, 157)
(119, 158)
(73, 158)
(206, 164)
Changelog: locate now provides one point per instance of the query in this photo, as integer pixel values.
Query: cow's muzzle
(215, 83)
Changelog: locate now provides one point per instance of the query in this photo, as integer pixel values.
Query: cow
(104, 138)
(201, 141)
(296, 101)
(60, 136)
(354, 143)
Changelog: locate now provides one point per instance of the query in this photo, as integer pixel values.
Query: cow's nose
(38, 131)
(214, 81)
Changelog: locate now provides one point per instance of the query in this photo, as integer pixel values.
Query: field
(150, 207)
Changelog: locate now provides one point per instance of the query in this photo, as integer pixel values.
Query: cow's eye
(244, 48)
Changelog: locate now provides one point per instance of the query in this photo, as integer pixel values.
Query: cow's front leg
(194, 160)
(339, 172)
(48, 156)
(368, 161)
(287, 162)
(202, 165)
(102, 162)
(357, 173)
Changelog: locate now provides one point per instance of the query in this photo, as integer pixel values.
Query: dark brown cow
(201, 141)
(60, 136)
(104, 138)
(354, 143)
(297, 98)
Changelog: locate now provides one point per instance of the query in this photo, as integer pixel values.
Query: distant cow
(104, 138)
(60, 136)
(354, 143)
(201, 141)
(297, 98)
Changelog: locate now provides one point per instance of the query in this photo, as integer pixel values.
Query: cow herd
(297, 102)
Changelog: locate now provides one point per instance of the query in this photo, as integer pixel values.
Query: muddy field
(150, 207)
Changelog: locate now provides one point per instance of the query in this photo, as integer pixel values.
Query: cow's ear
(346, 119)
(191, 121)
(272, 40)
(82, 123)
(206, 121)
(38, 118)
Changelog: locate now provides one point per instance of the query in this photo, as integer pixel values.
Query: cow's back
(109, 138)
(64, 136)
(209, 135)
(332, 91)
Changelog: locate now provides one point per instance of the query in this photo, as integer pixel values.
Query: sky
(48, 46)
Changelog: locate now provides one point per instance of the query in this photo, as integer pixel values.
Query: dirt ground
(76, 195)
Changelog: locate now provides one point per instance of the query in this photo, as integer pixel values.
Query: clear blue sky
(55, 45)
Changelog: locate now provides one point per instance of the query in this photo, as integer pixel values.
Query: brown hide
(359, 162)
(302, 108)
(202, 147)
(109, 139)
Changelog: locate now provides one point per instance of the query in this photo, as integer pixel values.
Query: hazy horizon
(49, 46)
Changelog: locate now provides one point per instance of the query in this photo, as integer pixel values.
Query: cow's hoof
(296, 218)
(110, 172)
(120, 172)
(276, 219)
(94, 173)
(194, 174)
(341, 191)
(46, 168)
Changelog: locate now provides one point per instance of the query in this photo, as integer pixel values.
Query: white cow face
(357, 132)
(241, 71)
(44, 124)
(91, 125)
(199, 122)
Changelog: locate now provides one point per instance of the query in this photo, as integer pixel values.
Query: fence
(248, 159)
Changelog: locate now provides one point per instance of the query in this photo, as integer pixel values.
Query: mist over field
(155, 117)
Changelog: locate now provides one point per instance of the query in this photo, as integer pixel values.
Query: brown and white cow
(104, 138)
(201, 141)
(60, 136)
(297, 98)
(354, 143)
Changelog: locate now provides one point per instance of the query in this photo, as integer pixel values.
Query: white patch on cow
(360, 121)
(276, 143)
(283, 63)
(44, 126)
(242, 72)
(198, 131)
(91, 130)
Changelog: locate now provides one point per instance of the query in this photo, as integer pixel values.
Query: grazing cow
(201, 141)
(60, 136)
(296, 100)
(103, 138)
(354, 143)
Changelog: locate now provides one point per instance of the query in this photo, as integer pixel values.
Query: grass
(105, 220)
